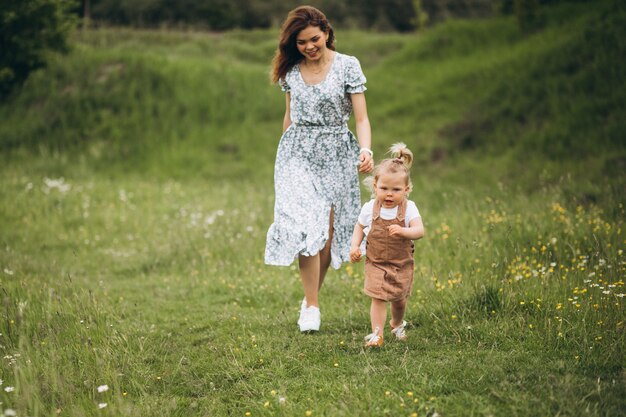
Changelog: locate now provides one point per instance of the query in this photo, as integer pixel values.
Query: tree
(29, 31)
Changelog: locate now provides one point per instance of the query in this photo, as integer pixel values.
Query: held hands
(355, 254)
(366, 162)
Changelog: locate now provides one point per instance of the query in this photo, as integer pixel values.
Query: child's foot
(374, 339)
(399, 331)
(310, 319)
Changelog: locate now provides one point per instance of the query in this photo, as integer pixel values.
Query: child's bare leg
(310, 275)
(397, 312)
(325, 252)
(378, 314)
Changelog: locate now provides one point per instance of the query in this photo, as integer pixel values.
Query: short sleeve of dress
(354, 78)
(284, 86)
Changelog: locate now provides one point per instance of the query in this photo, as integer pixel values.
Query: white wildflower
(9, 412)
(8, 271)
(9, 389)
(103, 388)
(58, 184)
(102, 405)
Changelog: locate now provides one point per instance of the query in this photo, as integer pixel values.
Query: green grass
(142, 269)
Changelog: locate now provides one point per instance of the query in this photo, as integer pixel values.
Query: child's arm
(355, 246)
(414, 231)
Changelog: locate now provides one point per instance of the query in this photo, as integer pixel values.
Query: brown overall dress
(388, 259)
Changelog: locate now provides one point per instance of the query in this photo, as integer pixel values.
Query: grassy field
(136, 190)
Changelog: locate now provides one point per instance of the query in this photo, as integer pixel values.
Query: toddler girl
(391, 222)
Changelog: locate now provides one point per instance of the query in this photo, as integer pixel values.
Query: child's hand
(355, 254)
(396, 230)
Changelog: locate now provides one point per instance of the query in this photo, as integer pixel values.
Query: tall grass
(136, 191)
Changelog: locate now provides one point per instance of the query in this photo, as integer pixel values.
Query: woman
(316, 180)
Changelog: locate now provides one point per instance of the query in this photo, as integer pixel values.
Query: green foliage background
(29, 31)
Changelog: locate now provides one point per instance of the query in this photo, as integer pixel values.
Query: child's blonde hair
(400, 162)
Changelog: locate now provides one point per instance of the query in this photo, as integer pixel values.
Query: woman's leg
(313, 268)
(310, 275)
(397, 312)
(378, 314)
(325, 252)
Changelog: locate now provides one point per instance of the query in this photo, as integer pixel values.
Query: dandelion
(336, 365)
(387, 393)
(410, 393)
(103, 388)
(454, 317)
(248, 413)
(266, 404)
(308, 413)
(273, 392)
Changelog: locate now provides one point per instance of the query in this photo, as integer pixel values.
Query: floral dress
(317, 167)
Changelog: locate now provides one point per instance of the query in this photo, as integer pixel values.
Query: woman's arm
(287, 118)
(363, 131)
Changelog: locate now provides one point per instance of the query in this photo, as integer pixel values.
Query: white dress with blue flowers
(316, 167)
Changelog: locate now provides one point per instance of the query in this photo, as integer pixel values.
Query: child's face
(391, 189)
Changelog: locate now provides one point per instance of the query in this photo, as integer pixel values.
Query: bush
(29, 30)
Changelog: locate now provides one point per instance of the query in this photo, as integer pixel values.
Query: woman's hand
(367, 162)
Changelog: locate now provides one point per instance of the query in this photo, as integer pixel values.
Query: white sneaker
(302, 308)
(374, 339)
(399, 331)
(310, 319)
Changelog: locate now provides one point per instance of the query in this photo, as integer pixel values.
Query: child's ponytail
(401, 152)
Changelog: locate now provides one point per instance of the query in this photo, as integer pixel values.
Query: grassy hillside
(136, 191)
(167, 102)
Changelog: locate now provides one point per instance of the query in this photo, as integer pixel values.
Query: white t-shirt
(365, 217)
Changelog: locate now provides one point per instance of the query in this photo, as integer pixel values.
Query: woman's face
(311, 43)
